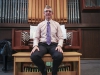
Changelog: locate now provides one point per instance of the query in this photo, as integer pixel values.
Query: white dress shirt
(56, 33)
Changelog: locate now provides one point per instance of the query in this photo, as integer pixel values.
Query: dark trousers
(57, 57)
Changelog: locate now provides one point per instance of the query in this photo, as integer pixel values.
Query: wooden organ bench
(22, 57)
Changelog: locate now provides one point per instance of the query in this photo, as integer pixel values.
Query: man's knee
(34, 57)
(58, 56)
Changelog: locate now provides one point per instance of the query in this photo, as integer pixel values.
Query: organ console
(72, 42)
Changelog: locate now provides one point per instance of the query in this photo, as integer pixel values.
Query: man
(48, 39)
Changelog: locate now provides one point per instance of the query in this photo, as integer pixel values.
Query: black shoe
(54, 74)
(45, 72)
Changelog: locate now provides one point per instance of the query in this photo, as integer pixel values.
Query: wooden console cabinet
(17, 44)
(22, 57)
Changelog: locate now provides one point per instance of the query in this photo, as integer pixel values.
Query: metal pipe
(78, 11)
(20, 11)
(13, 11)
(73, 11)
(18, 6)
(69, 11)
(5, 17)
(9, 11)
(25, 12)
(0, 9)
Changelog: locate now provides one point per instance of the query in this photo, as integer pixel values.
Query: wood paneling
(90, 18)
(91, 43)
(81, 25)
(5, 33)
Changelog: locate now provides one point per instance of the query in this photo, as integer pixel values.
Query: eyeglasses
(48, 11)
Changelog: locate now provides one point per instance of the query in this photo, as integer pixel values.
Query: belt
(51, 42)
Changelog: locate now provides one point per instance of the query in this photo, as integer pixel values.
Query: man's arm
(60, 36)
(37, 37)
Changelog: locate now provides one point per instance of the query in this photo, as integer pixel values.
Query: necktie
(48, 33)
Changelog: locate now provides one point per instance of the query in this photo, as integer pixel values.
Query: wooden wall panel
(90, 43)
(90, 18)
(5, 33)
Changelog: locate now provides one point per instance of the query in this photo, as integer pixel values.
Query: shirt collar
(47, 21)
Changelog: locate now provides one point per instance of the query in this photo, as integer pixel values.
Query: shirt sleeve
(60, 36)
(37, 36)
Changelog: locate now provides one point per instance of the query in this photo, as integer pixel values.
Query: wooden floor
(88, 67)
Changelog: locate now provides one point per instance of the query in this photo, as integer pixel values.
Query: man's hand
(59, 49)
(35, 48)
